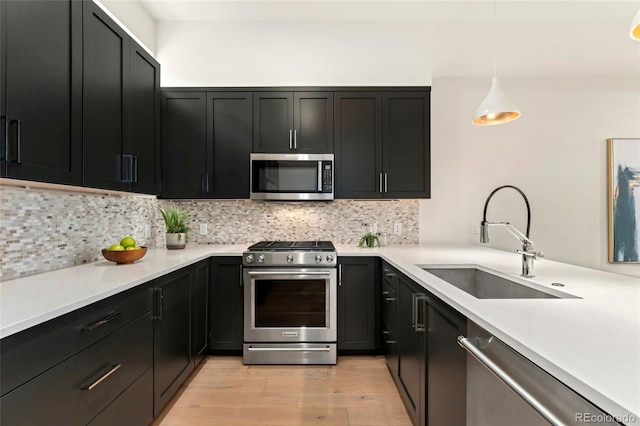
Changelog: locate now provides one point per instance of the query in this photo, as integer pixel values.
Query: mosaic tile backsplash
(43, 230)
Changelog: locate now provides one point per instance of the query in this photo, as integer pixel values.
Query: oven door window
(290, 303)
(285, 176)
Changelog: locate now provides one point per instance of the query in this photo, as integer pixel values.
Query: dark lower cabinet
(172, 352)
(412, 350)
(446, 365)
(41, 91)
(358, 285)
(200, 317)
(227, 304)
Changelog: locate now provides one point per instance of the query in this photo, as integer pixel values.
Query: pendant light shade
(634, 32)
(496, 108)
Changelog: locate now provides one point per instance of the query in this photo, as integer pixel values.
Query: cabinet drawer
(134, 407)
(390, 347)
(31, 352)
(77, 389)
(389, 305)
(390, 275)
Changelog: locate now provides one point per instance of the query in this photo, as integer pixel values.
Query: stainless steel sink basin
(486, 285)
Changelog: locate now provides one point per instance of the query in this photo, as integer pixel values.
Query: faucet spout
(528, 253)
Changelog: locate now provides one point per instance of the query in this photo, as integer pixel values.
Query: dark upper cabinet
(358, 144)
(406, 142)
(172, 351)
(297, 122)
(357, 307)
(144, 120)
(200, 311)
(41, 91)
(382, 144)
(229, 138)
(105, 119)
(184, 145)
(227, 311)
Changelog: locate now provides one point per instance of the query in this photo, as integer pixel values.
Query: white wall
(556, 153)
(136, 19)
(290, 53)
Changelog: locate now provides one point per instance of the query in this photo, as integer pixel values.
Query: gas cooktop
(293, 246)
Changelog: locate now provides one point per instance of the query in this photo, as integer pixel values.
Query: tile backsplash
(43, 230)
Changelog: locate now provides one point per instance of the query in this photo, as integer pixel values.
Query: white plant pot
(176, 241)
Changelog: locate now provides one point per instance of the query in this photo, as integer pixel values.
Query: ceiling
(541, 37)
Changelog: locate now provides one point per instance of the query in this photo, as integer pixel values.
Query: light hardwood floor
(357, 391)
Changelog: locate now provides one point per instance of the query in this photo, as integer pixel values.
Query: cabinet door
(358, 144)
(41, 99)
(171, 343)
(313, 122)
(200, 317)
(406, 145)
(229, 133)
(357, 313)
(144, 116)
(412, 351)
(184, 145)
(105, 118)
(273, 122)
(446, 365)
(227, 301)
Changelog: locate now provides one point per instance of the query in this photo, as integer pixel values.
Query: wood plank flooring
(357, 391)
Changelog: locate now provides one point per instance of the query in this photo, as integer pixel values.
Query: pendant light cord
(495, 32)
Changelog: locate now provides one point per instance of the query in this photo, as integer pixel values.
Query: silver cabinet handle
(6, 138)
(389, 342)
(134, 166)
(114, 368)
(385, 182)
(290, 139)
(107, 318)
(380, 184)
(295, 140)
(390, 299)
(207, 182)
(19, 158)
(483, 359)
(340, 275)
(418, 326)
(159, 303)
(288, 273)
(325, 349)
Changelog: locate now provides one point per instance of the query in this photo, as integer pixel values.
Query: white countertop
(591, 343)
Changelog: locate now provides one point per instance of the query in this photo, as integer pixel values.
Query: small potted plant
(177, 229)
(369, 240)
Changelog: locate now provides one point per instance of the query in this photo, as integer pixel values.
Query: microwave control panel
(327, 176)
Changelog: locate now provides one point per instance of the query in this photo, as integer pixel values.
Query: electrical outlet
(397, 228)
(203, 229)
(147, 230)
(475, 228)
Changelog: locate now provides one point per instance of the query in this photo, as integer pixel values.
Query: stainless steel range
(290, 303)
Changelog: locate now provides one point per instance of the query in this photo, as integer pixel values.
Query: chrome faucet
(528, 252)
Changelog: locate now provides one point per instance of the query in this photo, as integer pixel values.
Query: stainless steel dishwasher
(505, 388)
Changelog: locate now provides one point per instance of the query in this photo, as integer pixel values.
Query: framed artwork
(624, 199)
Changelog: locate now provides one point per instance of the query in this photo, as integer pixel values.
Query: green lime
(128, 242)
(132, 248)
(116, 247)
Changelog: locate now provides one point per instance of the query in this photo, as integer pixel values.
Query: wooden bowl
(126, 256)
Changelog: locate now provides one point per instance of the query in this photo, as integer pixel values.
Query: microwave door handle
(319, 176)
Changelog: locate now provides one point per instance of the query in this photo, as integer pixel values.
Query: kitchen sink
(486, 285)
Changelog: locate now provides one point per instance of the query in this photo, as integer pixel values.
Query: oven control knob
(261, 259)
(329, 258)
(290, 259)
(249, 259)
(318, 259)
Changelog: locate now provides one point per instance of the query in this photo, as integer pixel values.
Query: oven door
(290, 305)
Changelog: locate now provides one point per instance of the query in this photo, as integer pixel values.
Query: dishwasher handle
(482, 358)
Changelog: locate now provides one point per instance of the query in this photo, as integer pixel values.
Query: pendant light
(634, 31)
(496, 108)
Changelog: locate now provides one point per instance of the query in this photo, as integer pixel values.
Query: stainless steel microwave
(292, 177)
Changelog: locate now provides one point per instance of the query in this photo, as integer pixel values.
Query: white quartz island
(591, 343)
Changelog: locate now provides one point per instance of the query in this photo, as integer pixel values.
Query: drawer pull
(110, 316)
(389, 342)
(390, 299)
(114, 368)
